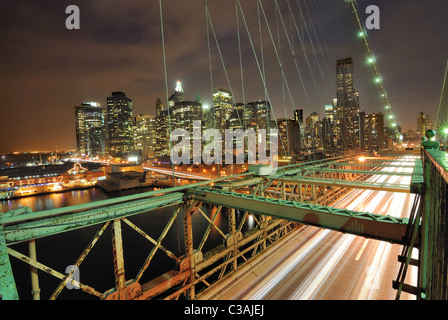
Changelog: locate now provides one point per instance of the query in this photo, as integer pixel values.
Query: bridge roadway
(320, 264)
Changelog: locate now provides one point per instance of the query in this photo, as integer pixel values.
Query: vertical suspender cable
(166, 84)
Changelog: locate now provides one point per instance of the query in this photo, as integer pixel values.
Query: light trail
(298, 256)
(177, 174)
(332, 265)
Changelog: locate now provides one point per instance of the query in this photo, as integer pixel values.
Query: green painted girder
(239, 183)
(369, 225)
(389, 159)
(355, 184)
(8, 289)
(25, 231)
(385, 165)
(386, 173)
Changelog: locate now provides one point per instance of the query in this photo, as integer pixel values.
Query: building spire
(179, 87)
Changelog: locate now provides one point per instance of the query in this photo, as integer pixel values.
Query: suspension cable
(166, 85)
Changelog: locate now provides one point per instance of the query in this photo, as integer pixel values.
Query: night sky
(46, 69)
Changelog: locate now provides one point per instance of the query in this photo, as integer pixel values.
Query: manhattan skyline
(47, 69)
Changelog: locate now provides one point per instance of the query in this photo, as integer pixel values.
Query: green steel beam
(368, 185)
(380, 227)
(8, 289)
(240, 183)
(389, 159)
(385, 165)
(386, 173)
(25, 231)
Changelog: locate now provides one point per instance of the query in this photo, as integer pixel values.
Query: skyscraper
(290, 142)
(262, 114)
(181, 114)
(177, 96)
(347, 105)
(424, 123)
(145, 137)
(120, 136)
(329, 113)
(374, 131)
(159, 106)
(90, 129)
(313, 132)
(223, 107)
(162, 130)
(298, 116)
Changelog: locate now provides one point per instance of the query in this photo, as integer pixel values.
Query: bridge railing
(434, 227)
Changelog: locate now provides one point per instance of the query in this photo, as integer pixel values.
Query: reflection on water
(56, 200)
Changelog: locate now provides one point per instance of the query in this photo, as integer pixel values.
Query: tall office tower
(428, 122)
(223, 107)
(208, 117)
(187, 115)
(243, 117)
(289, 144)
(421, 123)
(145, 138)
(90, 129)
(181, 114)
(313, 132)
(120, 135)
(347, 106)
(374, 131)
(329, 142)
(261, 114)
(163, 134)
(163, 121)
(236, 120)
(159, 106)
(177, 96)
(298, 116)
(184, 113)
(329, 113)
(424, 123)
(363, 138)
